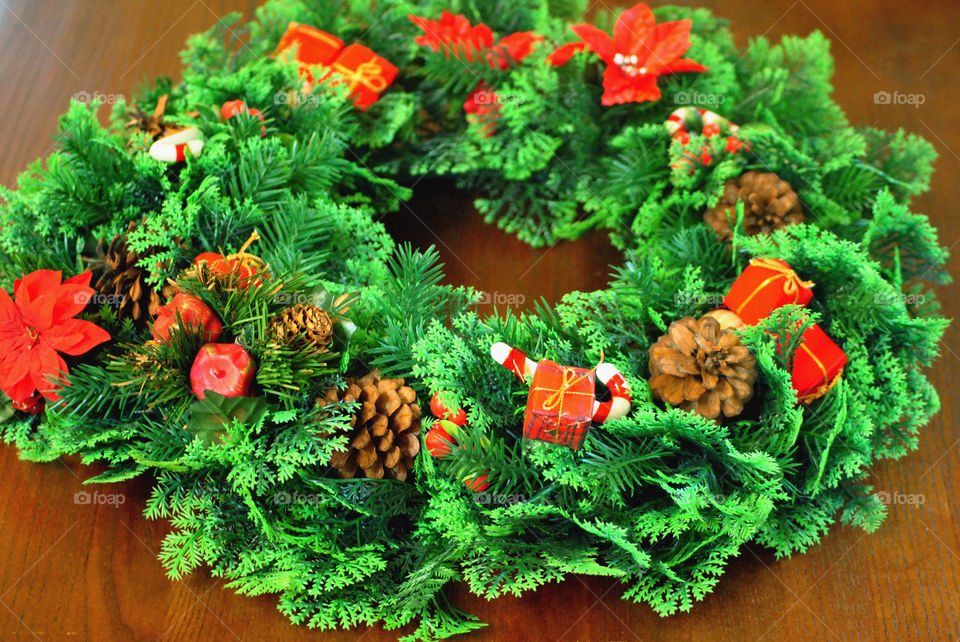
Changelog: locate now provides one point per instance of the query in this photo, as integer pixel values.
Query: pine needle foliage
(660, 499)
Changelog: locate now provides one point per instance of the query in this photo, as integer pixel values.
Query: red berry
(215, 263)
(32, 405)
(208, 257)
(682, 136)
(478, 484)
(242, 269)
(245, 269)
(458, 416)
(231, 108)
(733, 144)
(711, 129)
(225, 368)
(193, 312)
(441, 439)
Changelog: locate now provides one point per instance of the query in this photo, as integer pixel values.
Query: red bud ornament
(192, 312)
(224, 368)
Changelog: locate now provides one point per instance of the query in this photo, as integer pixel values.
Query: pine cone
(154, 123)
(697, 366)
(303, 323)
(386, 435)
(120, 282)
(769, 204)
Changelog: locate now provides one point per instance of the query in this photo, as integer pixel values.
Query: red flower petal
(80, 279)
(599, 42)
(75, 337)
(9, 314)
(666, 43)
(35, 296)
(46, 369)
(36, 284)
(681, 65)
(632, 28)
(453, 31)
(618, 88)
(563, 54)
(15, 378)
(518, 46)
(71, 300)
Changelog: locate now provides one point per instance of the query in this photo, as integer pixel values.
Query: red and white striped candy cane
(517, 362)
(679, 122)
(174, 148)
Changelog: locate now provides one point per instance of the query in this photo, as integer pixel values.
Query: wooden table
(74, 571)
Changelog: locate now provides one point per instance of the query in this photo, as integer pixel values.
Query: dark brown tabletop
(90, 572)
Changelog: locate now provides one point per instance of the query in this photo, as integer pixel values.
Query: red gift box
(313, 47)
(368, 74)
(764, 286)
(817, 364)
(767, 284)
(560, 404)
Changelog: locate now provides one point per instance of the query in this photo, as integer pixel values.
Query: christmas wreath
(202, 291)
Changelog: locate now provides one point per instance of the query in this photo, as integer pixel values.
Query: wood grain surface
(89, 572)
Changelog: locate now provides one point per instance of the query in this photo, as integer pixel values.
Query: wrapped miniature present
(817, 364)
(768, 284)
(308, 46)
(764, 286)
(560, 405)
(367, 74)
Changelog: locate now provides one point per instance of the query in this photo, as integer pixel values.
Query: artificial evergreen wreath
(242, 206)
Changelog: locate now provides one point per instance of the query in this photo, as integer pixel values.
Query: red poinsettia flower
(37, 326)
(455, 33)
(639, 52)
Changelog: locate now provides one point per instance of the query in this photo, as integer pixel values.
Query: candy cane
(619, 402)
(173, 148)
(517, 362)
(680, 120)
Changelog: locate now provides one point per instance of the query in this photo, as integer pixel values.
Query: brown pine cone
(121, 283)
(769, 204)
(154, 123)
(386, 428)
(698, 367)
(303, 323)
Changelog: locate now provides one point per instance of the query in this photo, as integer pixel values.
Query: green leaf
(210, 416)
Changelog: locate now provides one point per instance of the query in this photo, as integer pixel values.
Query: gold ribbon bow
(791, 282)
(555, 400)
(369, 74)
